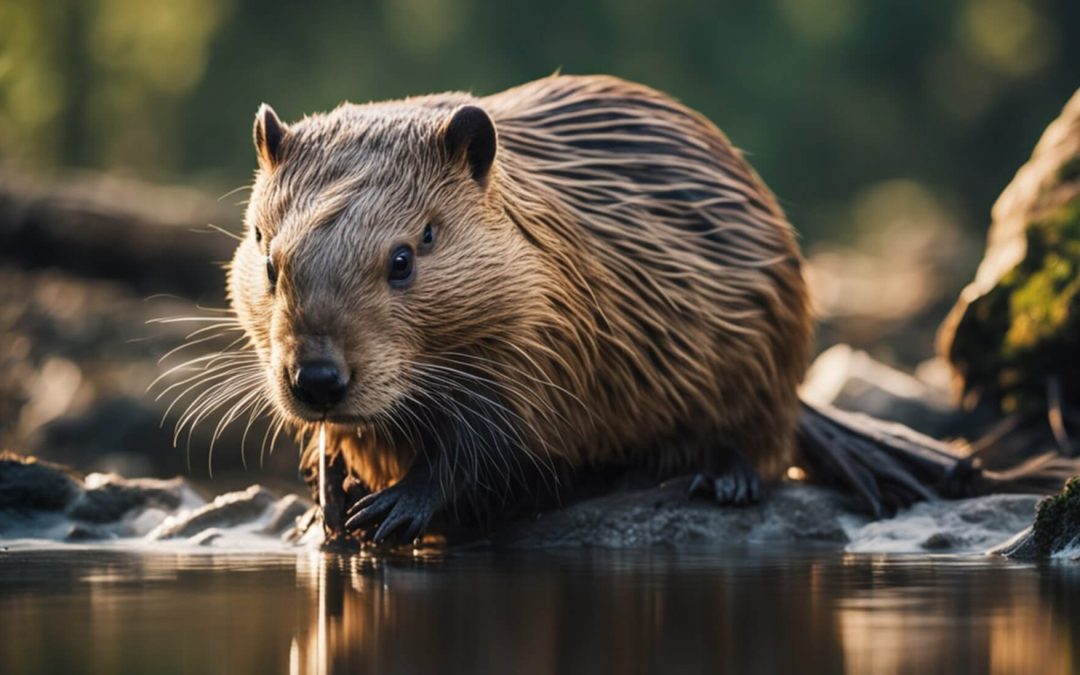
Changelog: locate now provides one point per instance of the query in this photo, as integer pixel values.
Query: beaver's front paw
(398, 514)
(736, 484)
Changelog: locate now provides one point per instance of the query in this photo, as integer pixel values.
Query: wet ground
(765, 610)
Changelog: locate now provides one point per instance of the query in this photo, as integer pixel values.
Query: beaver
(481, 297)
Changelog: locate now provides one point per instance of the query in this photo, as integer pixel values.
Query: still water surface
(744, 611)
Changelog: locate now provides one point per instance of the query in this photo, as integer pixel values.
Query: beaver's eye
(401, 266)
(427, 239)
(258, 235)
(271, 272)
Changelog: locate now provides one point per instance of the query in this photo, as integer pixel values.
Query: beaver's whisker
(233, 191)
(529, 399)
(381, 430)
(535, 377)
(225, 324)
(488, 400)
(274, 418)
(559, 361)
(521, 371)
(434, 378)
(201, 380)
(413, 421)
(227, 233)
(516, 440)
(416, 423)
(193, 319)
(220, 310)
(277, 432)
(256, 411)
(188, 342)
(473, 443)
(493, 456)
(192, 363)
(238, 408)
(211, 399)
(495, 377)
(209, 374)
(391, 417)
(207, 401)
(204, 364)
(205, 404)
(471, 376)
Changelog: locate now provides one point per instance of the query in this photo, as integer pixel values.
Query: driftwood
(104, 227)
(889, 466)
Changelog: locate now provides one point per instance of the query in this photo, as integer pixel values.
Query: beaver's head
(376, 243)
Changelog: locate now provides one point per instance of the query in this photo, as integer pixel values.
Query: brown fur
(620, 288)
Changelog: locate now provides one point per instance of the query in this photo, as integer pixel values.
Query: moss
(1028, 326)
(1044, 288)
(1057, 523)
(1041, 308)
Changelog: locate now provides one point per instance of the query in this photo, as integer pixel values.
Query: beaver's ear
(269, 133)
(470, 133)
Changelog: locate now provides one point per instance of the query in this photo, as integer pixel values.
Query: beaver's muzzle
(317, 373)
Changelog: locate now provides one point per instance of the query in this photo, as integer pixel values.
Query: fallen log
(101, 226)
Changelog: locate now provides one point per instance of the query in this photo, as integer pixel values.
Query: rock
(1016, 328)
(206, 537)
(306, 528)
(285, 514)
(664, 516)
(83, 533)
(27, 484)
(39, 500)
(792, 513)
(110, 508)
(228, 510)
(959, 526)
(1056, 530)
(44, 500)
(109, 497)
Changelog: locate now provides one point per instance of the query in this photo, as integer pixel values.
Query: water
(739, 611)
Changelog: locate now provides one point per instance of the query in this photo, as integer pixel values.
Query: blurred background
(886, 127)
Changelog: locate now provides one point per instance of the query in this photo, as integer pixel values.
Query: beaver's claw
(736, 485)
(400, 512)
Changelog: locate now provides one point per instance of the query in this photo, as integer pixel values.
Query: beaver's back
(702, 324)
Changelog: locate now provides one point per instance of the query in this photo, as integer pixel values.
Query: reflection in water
(576, 611)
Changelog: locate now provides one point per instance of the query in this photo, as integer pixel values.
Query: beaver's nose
(319, 384)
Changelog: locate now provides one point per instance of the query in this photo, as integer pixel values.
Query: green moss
(1040, 308)
(1028, 326)
(1045, 288)
(1057, 523)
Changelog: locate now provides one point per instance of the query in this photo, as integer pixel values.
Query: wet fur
(621, 288)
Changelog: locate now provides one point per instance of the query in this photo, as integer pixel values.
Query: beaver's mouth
(304, 413)
(350, 419)
(308, 414)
